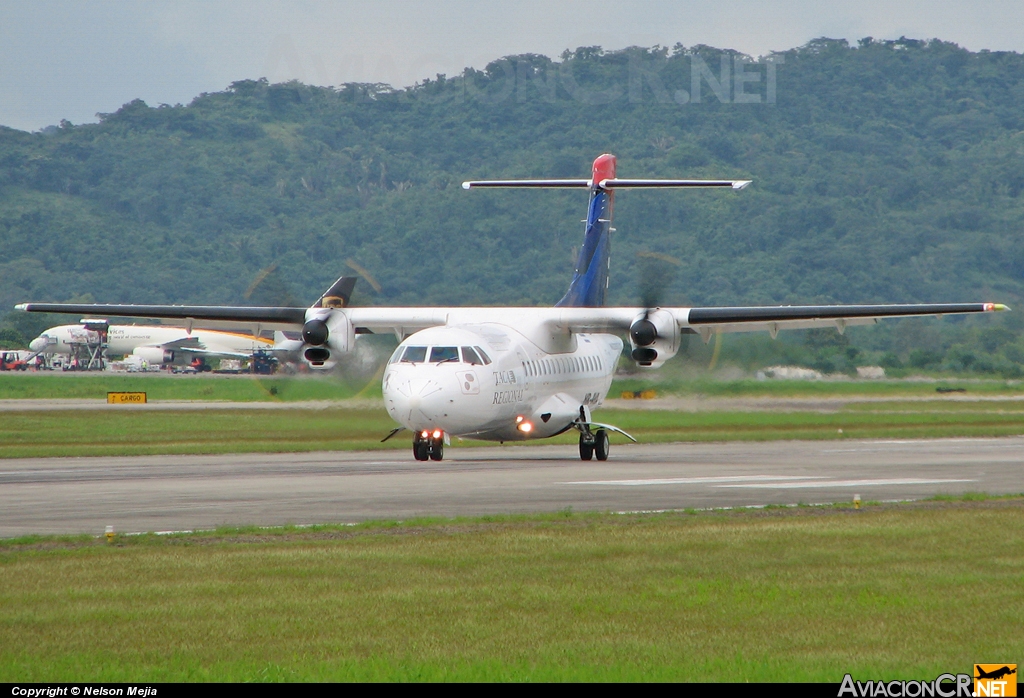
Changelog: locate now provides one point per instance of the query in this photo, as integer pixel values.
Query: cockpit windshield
(473, 356)
(470, 356)
(414, 355)
(439, 354)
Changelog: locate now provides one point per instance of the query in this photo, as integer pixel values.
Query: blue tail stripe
(590, 279)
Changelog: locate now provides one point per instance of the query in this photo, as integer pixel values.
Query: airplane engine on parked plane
(653, 338)
(154, 355)
(326, 331)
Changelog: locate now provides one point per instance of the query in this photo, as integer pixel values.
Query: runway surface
(159, 493)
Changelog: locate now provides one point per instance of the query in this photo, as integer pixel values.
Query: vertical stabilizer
(338, 295)
(590, 277)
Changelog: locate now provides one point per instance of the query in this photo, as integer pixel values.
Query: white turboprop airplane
(516, 374)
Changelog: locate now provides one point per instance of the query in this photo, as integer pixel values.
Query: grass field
(162, 386)
(803, 594)
(331, 387)
(123, 432)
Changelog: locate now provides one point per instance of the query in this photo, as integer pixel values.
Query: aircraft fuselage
(492, 382)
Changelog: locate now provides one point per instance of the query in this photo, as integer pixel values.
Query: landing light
(437, 433)
(525, 427)
(519, 419)
(425, 434)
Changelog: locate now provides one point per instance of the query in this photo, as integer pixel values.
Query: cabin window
(470, 356)
(415, 355)
(439, 354)
(483, 355)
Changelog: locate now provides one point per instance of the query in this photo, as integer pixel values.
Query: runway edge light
(856, 501)
(110, 534)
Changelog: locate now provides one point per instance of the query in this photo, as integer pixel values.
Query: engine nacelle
(653, 338)
(327, 333)
(154, 355)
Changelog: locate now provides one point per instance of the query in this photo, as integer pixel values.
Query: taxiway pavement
(160, 493)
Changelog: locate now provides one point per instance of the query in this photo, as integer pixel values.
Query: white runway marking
(694, 480)
(845, 483)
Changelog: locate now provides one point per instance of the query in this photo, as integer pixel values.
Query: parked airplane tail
(338, 295)
(590, 276)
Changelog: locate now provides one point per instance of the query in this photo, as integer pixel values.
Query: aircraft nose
(415, 403)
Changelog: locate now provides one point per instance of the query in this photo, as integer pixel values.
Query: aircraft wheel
(601, 444)
(421, 449)
(436, 449)
(586, 448)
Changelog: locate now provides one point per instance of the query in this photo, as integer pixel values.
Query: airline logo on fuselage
(504, 377)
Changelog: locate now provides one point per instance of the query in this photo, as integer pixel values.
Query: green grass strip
(802, 594)
(126, 432)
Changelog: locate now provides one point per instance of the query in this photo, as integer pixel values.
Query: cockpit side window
(414, 355)
(397, 355)
(438, 354)
(470, 356)
(483, 355)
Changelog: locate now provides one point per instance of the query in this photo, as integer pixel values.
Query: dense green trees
(883, 172)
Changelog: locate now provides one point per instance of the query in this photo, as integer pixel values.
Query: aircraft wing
(192, 345)
(715, 320)
(789, 317)
(403, 321)
(209, 316)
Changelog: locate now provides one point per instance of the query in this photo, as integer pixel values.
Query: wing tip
(21, 306)
(995, 307)
(741, 184)
(467, 185)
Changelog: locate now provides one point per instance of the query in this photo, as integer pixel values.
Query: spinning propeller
(653, 324)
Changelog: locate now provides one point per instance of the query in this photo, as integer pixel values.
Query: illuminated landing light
(437, 433)
(525, 427)
(425, 434)
(519, 419)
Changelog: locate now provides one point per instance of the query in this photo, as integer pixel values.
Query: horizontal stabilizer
(736, 184)
(535, 183)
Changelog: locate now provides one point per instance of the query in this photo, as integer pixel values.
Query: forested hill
(883, 172)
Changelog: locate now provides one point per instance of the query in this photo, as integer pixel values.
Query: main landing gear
(428, 445)
(594, 444)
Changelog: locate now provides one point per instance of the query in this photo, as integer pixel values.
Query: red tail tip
(604, 168)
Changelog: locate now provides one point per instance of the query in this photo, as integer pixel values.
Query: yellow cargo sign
(126, 398)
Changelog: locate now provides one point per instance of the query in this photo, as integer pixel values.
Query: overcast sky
(69, 59)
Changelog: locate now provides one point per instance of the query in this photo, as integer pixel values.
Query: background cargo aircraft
(153, 344)
(507, 374)
(161, 344)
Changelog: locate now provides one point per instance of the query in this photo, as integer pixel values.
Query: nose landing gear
(428, 446)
